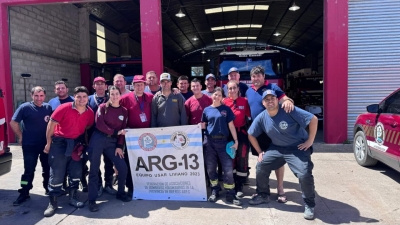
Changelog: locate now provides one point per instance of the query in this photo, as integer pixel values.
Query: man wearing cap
(99, 97)
(290, 143)
(61, 90)
(234, 74)
(167, 109)
(138, 104)
(254, 99)
(68, 122)
(183, 85)
(120, 82)
(210, 84)
(34, 116)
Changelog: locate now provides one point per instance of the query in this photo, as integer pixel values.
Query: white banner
(167, 163)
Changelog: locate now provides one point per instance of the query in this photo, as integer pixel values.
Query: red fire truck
(5, 154)
(246, 60)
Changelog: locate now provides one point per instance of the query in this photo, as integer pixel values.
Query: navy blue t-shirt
(94, 101)
(285, 129)
(34, 122)
(55, 102)
(217, 119)
(187, 95)
(255, 98)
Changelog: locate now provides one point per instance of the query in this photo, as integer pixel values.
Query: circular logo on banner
(283, 125)
(147, 142)
(379, 133)
(179, 140)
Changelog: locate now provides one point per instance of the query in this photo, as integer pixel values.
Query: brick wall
(45, 44)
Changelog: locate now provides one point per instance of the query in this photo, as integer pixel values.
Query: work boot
(51, 209)
(109, 189)
(93, 207)
(230, 198)
(73, 200)
(23, 196)
(259, 199)
(214, 196)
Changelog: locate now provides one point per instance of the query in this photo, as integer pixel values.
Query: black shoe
(124, 197)
(214, 196)
(233, 200)
(130, 193)
(110, 190)
(21, 198)
(93, 207)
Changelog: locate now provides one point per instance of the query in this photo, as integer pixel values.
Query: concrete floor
(346, 193)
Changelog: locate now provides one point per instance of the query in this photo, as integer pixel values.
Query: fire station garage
(332, 57)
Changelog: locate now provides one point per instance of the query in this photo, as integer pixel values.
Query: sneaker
(308, 213)
(21, 199)
(258, 199)
(239, 194)
(233, 200)
(100, 191)
(214, 196)
(124, 197)
(93, 207)
(110, 190)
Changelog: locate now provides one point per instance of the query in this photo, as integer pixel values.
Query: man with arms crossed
(68, 122)
(290, 143)
(34, 115)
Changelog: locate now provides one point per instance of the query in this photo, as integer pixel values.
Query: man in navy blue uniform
(291, 144)
(233, 74)
(33, 116)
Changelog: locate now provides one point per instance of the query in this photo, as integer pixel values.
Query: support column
(5, 66)
(84, 43)
(151, 36)
(335, 71)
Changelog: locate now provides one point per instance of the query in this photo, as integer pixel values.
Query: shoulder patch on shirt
(121, 117)
(283, 125)
(174, 100)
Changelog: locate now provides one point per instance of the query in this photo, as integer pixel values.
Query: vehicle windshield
(270, 63)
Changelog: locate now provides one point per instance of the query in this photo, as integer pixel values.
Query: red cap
(99, 79)
(138, 79)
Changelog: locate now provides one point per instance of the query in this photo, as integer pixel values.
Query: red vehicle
(246, 60)
(5, 154)
(377, 133)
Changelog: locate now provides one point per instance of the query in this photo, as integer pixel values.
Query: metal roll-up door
(374, 54)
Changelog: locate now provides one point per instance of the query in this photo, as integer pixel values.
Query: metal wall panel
(374, 54)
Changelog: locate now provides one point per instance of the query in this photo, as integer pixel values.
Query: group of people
(57, 131)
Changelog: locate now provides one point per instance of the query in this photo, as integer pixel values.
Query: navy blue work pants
(102, 144)
(216, 149)
(31, 154)
(60, 164)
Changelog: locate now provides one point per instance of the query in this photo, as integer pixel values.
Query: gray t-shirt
(168, 111)
(207, 93)
(285, 129)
